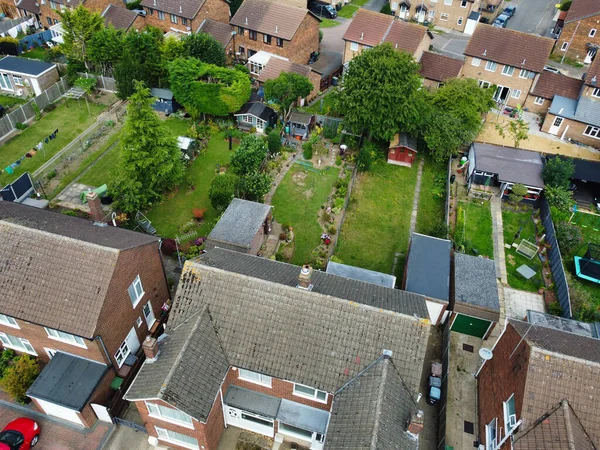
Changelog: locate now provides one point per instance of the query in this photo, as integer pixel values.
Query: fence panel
(5, 126)
(561, 287)
(104, 83)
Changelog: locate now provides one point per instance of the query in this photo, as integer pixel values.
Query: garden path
(415, 208)
(498, 232)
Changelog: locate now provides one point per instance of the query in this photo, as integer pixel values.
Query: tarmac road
(533, 16)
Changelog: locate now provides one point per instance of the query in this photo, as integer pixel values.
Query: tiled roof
(517, 49)
(550, 84)
(281, 331)
(219, 30)
(56, 269)
(581, 9)
(371, 413)
(119, 17)
(475, 281)
(588, 111)
(274, 18)
(405, 36)
(328, 62)
(439, 67)
(241, 220)
(182, 8)
(593, 71)
(276, 66)
(29, 5)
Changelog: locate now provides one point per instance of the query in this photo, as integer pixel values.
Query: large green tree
(234, 5)
(205, 48)
(286, 88)
(79, 25)
(151, 161)
(381, 93)
(455, 116)
(222, 191)
(249, 156)
(558, 172)
(105, 49)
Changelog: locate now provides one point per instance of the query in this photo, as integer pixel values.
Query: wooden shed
(402, 150)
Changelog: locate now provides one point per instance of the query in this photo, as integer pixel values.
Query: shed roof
(219, 30)
(24, 66)
(300, 117)
(356, 273)
(165, 94)
(256, 109)
(404, 140)
(240, 222)
(550, 84)
(428, 266)
(439, 67)
(68, 381)
(328, 62)
(475, 281)
(119, 17)
(512, 165)
(29, 5)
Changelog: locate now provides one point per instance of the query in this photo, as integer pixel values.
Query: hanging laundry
(32, 151)
(40, 145)
(8, 170)
(28, 155)
(52, 136)
(46, 140)
(17, 163)
(21, 158)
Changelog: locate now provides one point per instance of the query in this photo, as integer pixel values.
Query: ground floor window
(177, 438)
(484, 84)
(592, 132)
(20, 344)
(257, 420)
(300, 433)
(539, 101)
(444, 17)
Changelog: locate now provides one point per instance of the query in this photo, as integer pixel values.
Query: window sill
(590, 136)
(181, 444)
(308, 397)
(19, 349)
(138, 300)
(16, 327)
(180, 424)
(75, 344)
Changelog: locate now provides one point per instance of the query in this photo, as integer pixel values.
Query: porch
(239, 439)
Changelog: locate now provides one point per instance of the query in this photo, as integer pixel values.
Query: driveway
(332, 36)
(533, 16)
(55, 434)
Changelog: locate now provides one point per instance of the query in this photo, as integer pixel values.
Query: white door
(5, 82)
(133, 343)
(555, 125)
(101, 412)
(590, 56)
(421, 16)
(61, 412)
(260, 125)
(249, 421)
(149, 315)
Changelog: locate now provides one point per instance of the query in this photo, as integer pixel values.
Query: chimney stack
(304, 278)
(415, 423)
(95, 205)
(150, 347)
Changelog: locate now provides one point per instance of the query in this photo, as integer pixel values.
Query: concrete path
(451, 43)
(498, 232)
(518, 302)
(415, 207)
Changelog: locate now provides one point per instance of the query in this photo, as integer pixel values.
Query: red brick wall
(578, 47)
(501, 377)
(212, 9)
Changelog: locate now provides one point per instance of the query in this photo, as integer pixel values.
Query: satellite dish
(485, 353)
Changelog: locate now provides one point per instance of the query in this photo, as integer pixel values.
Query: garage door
(52, 409)
(470, 325)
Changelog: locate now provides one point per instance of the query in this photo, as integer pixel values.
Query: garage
(470, 325)
(52, 409)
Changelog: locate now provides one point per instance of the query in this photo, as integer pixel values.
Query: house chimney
(415, 422)
(95, 207)
(304, 278)
(150, 347)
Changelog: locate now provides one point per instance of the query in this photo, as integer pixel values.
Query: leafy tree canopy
(286, 88)
(222, 191)
(79, 25)
(105, 49)
(249, 156)
(234, 6)
(172, 48)
(205, 48)
(558, 172)
(255, 186)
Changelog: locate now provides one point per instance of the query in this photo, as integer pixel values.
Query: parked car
(551, 69)
(510, 10)
(20, 434)
(501, 21)
(322, 10)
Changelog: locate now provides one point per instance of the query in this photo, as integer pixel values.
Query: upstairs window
(173, 18)
(267, 39)
(184, 21)
(354, 46)
(279, 42)
(255, 377)
(240, 31)
(136, 291)
(491, 66)
(169, 414)
(596, 92)
(65, 337)
(508, 70)
(252, 34)
(476, 62)
(308, 392)
(510, 413)
(8, 321)
(525, 74)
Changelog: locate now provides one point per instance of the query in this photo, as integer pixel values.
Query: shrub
(282, 236)
(332, 229)
(365, 157)
(51, 174)
(199, 213)
(557, 172)
(307, 150)
(439, 229)
(338, 160)
(569, 236)
(36, 110)
(50, 107)
(20, 376)
(274, 142)
(338, 203)
(194, 251)
(21, 126)
(387, 9)
(6, 358)
(222, 191)
(168, 246)
(555, 309)
(459, 231)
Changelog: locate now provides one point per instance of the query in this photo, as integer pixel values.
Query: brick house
(436, 69)
(539, 391)
(184, 16)
(445, 13)
(546, 86)
(275, 28)
(509, 59)
(122, 18)
(222, 32)
(580, 35)
(369, 28)
(75, 289)
(276, 66)
(285, 352)
(490, 9)
(46, 11)
(24, 77)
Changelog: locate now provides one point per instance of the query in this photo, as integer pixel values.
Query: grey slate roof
(510, 164)
(68, 381)
(475, 281)
(357, 273)
(166, 94)
(25, 66)
(222, 319)
(371, 413)
(240, 222)
(588, 111)
(394, 300)
(256, 109)
(55, 269)
(428, 266)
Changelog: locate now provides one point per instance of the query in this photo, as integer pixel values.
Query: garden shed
(300, 124)
(242, 227)
(402, 150)
(256, 115)
(165, 101)
(475, 306)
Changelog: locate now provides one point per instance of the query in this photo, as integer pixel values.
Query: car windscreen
(12, 438)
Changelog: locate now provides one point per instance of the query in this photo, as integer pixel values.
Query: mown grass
(433, 196)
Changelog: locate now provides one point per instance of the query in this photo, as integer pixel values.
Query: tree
(151, 161)
(274, 142)
(222, 190)
(365, 157)
(255, 186)
(205, 48)
(286, 88)
(569, 236)
(79, 25)
(249, 156)
(234, 6)
(105, 49)
(172, 48)
(88, 85)
(387, 9)
(559, 198)
(20, 376)
(517, 129)
(455, 116)
(558, 172)
(382, 94)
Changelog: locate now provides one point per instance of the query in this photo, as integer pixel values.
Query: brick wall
(257, 241)
(315, 79)
(577, 49)
(575, 130)
(9, 9)
(489, 15)
(501, 377)
(48, 79)
(454, 11)
(423, 46)
(212, 9)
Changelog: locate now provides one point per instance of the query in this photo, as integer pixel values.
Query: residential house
(539, 390)
(360, 274)
(580, 35)
(24, 77)
(255, 115)
(222, 32)
(402, 150)
(47, 11)
(496, 168)
(28, 8)
(444, 13)
(490, 10)
(585, 182)
(508, 59)
(546, 86)
(369, 28)
(164, 101)
(287, 352)
(276, 28)
(427, 272)
(475, 304)
(122, 18)
(86, 292)
(242, 227)
(9, 9)
(277, 66)
(578, 119)
(184, 16)
(436, 69)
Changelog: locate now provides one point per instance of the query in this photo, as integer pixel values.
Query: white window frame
(508, 70)
(67, 338)
(139, 321)
(491, 445)
(312, 397)
(155, 410)
(138, 290)
(444, 17)
(122, 353)
(524, 73)
(484, 84)
(564, 46)
(591, 131)
(596, 92)
(394, 6)
(174, 19)
(592, 32)
(161, 15)
(539, 100)
(26, 345)
(151, 313)
(163, 435)
(515, 93)
(261, 379)
(476, 62)
(18, 80)
(459, 21)
(507, 418)
(431, 14)
(9, 321)
(448, 2)
(50, 352)
(463, 3)
(491, 66)
(353, 46)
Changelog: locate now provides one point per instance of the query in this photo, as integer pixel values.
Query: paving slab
(518, 302)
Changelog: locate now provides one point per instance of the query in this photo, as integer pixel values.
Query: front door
(556, 125)
(421, 16)
(590, 56)
(501, 94)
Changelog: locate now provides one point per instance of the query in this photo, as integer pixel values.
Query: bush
(282, 236)
(274, 142)
(320, 36)
(439, 229)
(168, 246)
(366, 156)
(332, 229)
(569, 236)
(329, 131)
(6, 358)
(555, 309)
(21, 126)
(459, 231)
(307, 150)
(50, 107)
(199, 213)
(222, 191)
(557, 172)
(565, 6)
(20, 376)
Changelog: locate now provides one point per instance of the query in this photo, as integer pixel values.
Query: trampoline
(587, 267)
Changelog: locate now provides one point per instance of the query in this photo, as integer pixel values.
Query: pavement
(518, 302)
(533, 16)
(498, 231)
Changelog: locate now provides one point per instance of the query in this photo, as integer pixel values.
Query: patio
(518, 302)
(234, 438)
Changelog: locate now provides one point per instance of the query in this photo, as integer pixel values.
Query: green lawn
(70, 121)
(37, 53)
(433, 196)
(297, 201)
(8, 101)
(176, 209)
(348, 11)
(478, 228)
(327, 107)
(328, 23)
(107, 167)
(359, 2)
(378, 218)
(513, 221)
(179, 127)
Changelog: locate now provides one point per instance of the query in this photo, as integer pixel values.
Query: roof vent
(561, 110)
(180, 9)
(305, 277)
(523, 63)
(154, 2)
(485, 52)
(387, 353)
(246, 21)
(276, 29)
(594, 80)
(362, 35)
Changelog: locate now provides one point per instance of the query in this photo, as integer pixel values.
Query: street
(533, 16)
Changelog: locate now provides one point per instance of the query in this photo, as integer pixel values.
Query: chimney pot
(95, 205)
(305, 276)
(415, 422)
(150, 347)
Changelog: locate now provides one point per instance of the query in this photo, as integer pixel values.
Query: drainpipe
(99, 338)
(569, 46)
